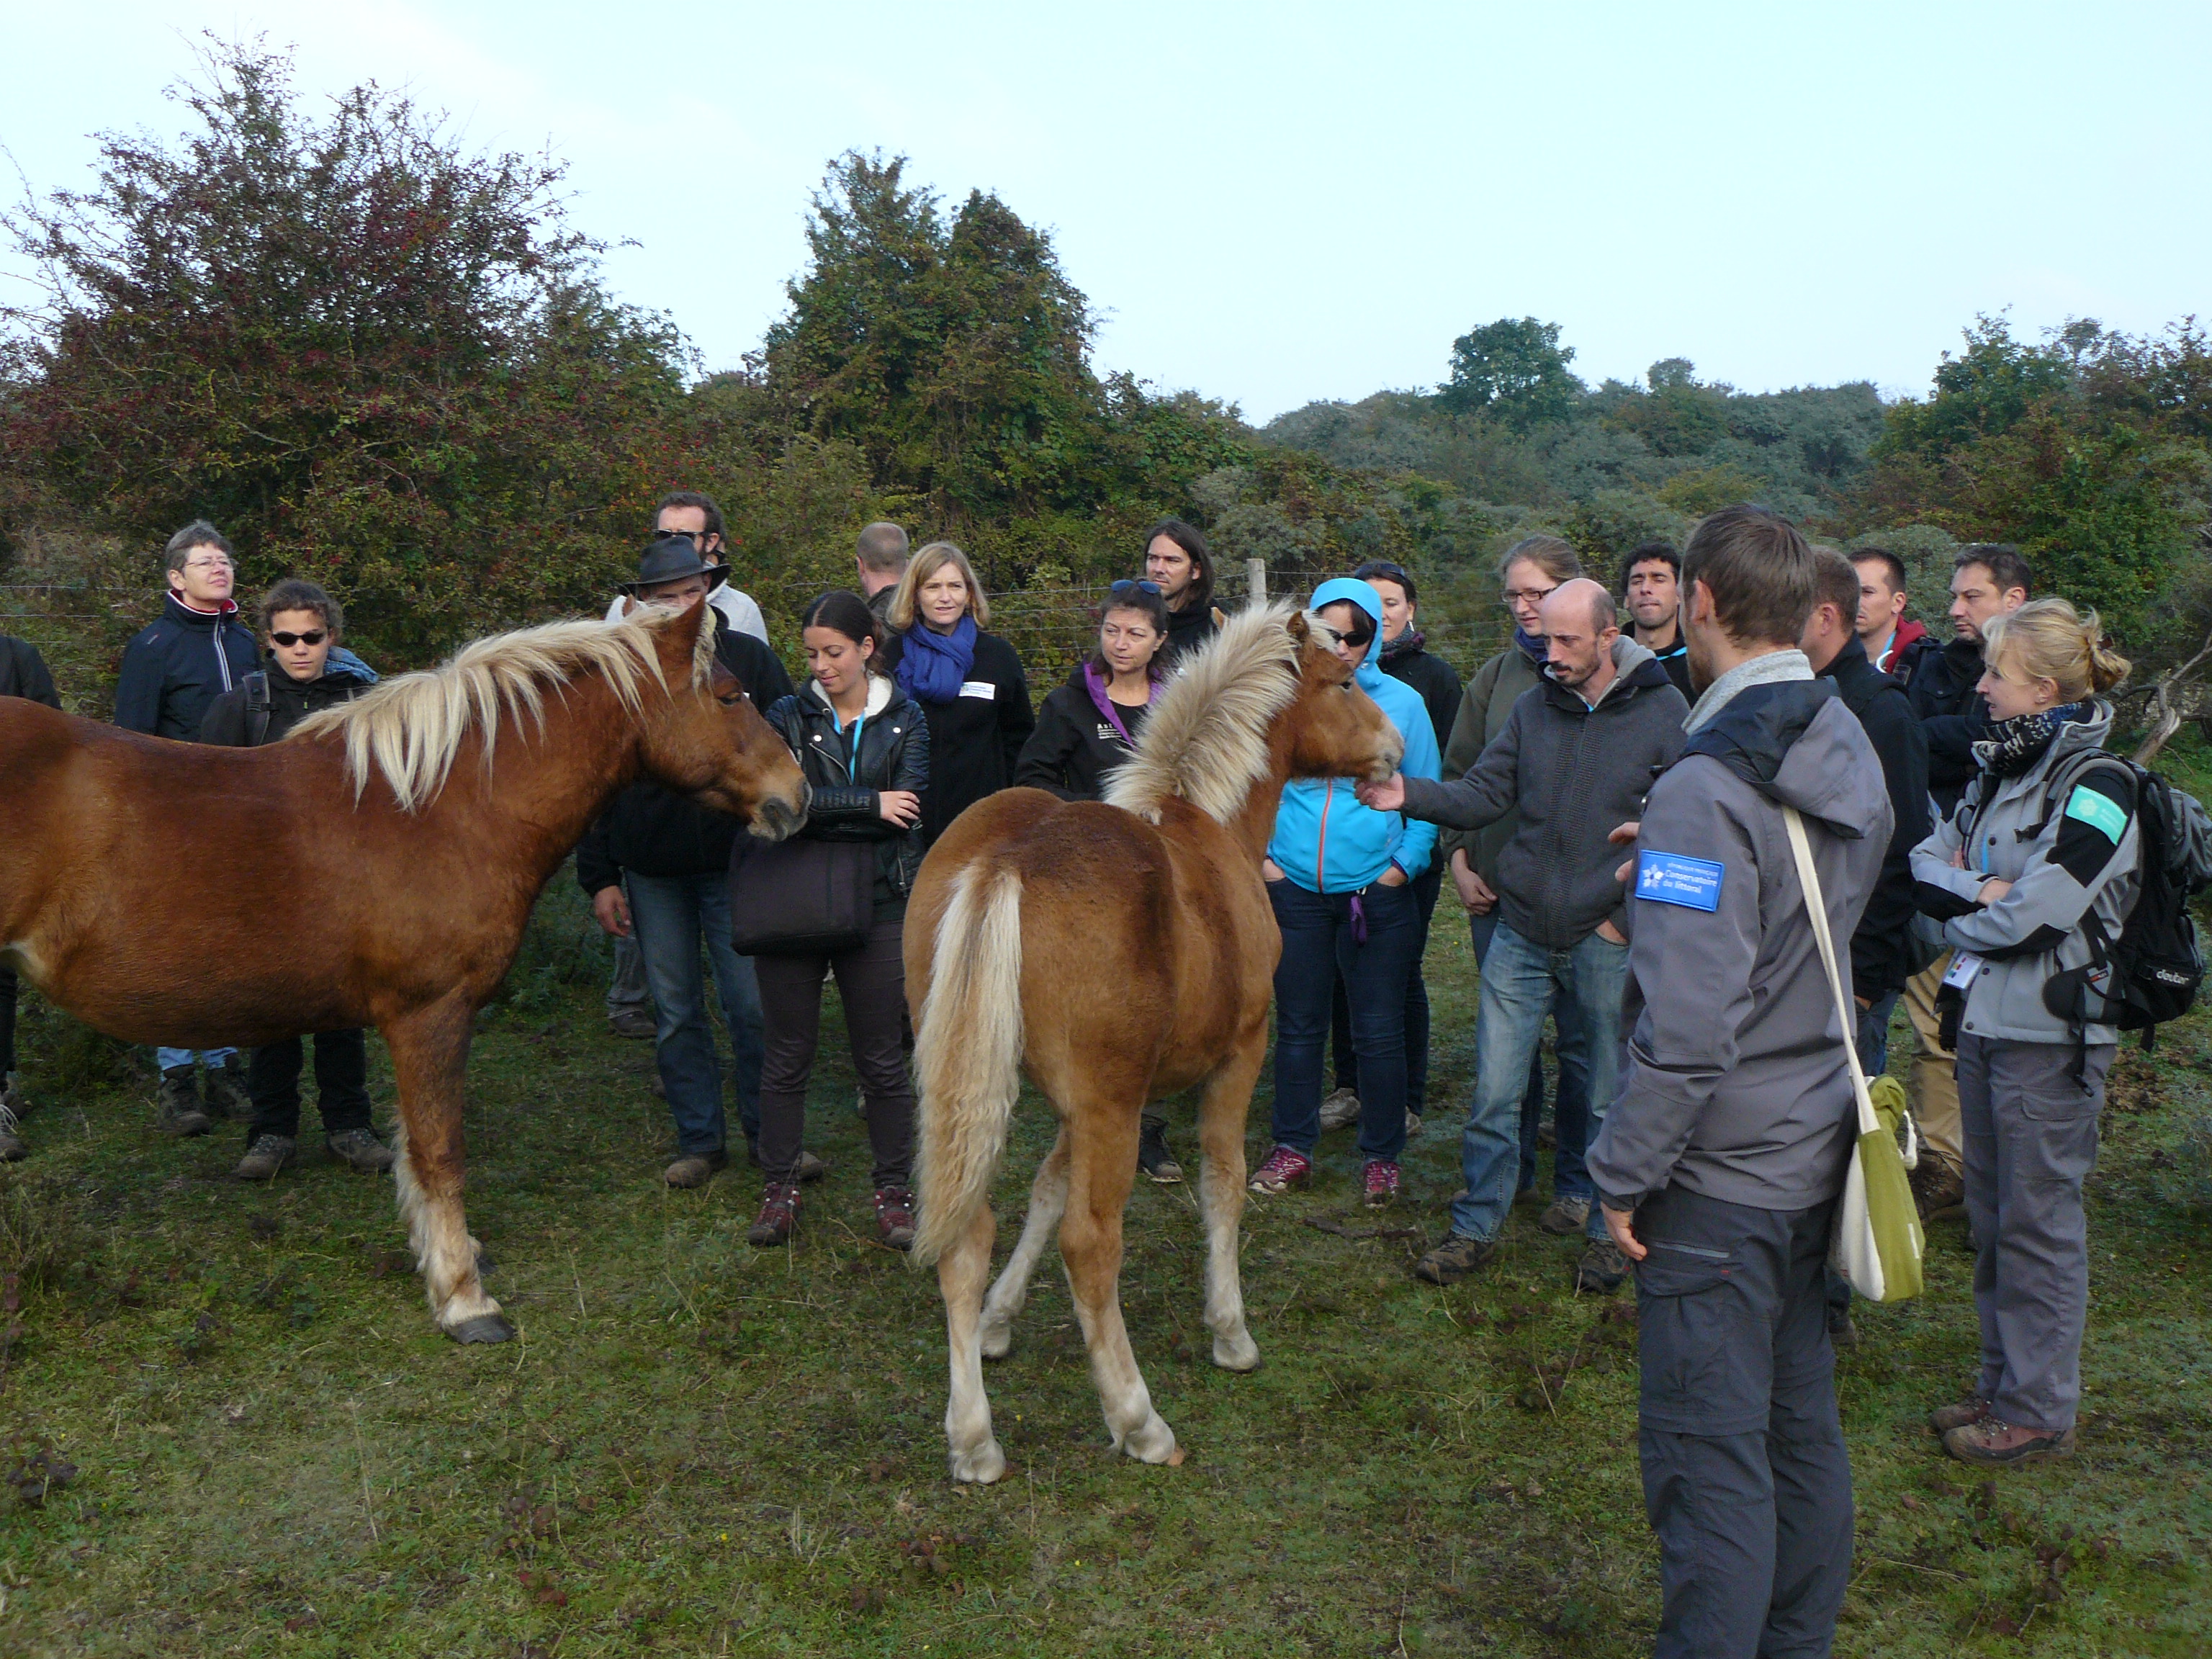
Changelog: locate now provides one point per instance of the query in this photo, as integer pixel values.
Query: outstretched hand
(1387, 796)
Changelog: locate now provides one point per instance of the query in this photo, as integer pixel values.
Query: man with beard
(1650, 581)
(1178, 561)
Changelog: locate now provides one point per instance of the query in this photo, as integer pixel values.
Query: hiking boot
(810, 1168)
(1284, 1170)
(362, 1149)
(1153, 1156)
(779, 1215)
(264, 1157)
(180, 1112)
(1455, 1256)
(1565, 1216)
(632, 1023)
(695, 1169)
(14, 1100)
(1340, 1111)
(894, 1217)
(1603, 1268)
(226, 1098)
(1963, 1415)
(1937, 1188)
(1992, 1445)
(1381, 1183)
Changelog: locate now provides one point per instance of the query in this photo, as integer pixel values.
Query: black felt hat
(670, 559)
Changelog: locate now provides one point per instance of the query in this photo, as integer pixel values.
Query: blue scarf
(933, 667)
(1534, 646)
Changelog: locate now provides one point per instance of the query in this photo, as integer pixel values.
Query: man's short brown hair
(1759, 572)
(1836, 581)
(884, 547)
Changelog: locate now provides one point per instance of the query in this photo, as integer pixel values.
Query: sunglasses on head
(312, 636)
(1126, 585)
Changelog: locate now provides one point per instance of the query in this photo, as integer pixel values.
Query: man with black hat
(674, 854)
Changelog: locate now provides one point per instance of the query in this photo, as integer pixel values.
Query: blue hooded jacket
(1325, 839)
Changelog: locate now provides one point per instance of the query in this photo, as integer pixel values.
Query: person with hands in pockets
(1721, 1158)
(2033, 876)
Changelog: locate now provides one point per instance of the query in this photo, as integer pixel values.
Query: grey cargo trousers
(1746, 1480)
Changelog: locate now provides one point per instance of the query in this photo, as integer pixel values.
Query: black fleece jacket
(1188, 630)
(975, 739)
(1952, 715)
(23, 672)
(228, 721)
(1880, 947)
(1434, 679)
(1075, 747)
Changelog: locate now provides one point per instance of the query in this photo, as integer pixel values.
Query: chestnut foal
(424, 817)
(1118, 952)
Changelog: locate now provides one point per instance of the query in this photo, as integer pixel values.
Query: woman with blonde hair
(2033, 876)
(969, 683)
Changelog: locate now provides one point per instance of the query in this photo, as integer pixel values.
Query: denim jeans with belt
(673, 916)
(1569, 1100)
(1321, 938)
(1519, 981)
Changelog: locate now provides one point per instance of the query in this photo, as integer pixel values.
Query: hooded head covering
(1336, 591)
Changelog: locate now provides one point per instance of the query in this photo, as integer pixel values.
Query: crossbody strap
(1816, 906)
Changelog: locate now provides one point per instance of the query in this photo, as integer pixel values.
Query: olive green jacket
(1484, 709)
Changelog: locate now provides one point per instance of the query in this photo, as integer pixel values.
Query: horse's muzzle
(776, 818)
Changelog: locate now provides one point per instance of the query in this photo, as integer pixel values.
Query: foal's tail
(968, 1053)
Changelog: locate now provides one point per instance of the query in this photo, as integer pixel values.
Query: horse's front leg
(429, 1057)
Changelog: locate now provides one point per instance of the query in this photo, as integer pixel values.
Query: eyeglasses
(218, 562)
(312, 636)
(1126, 585)
(1530, 595)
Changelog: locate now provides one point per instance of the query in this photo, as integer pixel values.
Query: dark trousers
(1424, 888)
(1321, 942)
(7, 1020)
(872, 984)
(1569, 1101)
(1746, 1480)
(272, 1079)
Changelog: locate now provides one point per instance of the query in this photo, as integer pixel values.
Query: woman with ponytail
(2034, 876)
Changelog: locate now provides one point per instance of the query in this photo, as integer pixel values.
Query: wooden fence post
(1255, 574)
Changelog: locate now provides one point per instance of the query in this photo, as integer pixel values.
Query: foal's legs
(961, 1271)
(429, 1055)
(1103, 1164)
(1048, 1202)
(1221, 1114)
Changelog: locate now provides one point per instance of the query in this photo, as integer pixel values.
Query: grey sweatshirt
(1576, 771)
(1733, 1080)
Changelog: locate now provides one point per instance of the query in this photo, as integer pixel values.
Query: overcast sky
(1274, 204)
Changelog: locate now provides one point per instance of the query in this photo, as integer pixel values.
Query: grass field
(698, 1448)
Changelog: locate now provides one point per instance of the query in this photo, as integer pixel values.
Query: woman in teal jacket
(1340, 876)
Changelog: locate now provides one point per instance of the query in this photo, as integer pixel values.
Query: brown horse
(1118, 952)
(142, 880)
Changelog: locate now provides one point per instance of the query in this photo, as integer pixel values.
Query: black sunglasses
(1126, 584)
(313, 636)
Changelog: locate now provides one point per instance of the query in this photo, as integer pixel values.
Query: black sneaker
(1153, 1156)
(1454, 1257)
(1603, 1268)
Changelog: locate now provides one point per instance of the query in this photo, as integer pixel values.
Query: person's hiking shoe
(1381, 1183)
(1843, 1329)
(226, 1098)
(1413, 1124)
(894, 1217)
(1454, 1257)
(1992, 1445)
(1937, 1188)
(180, 1112)
(1153, 1156)
(362, 1149)
(693, 1168)
(1340, 1111)
(1603, 1268)
(1284, 1168)
(632, 1023)
(13, 1099)
(1963, 1415)
(779, 1214)
(810, 1168)
(1565, 1216)
(264, 1157)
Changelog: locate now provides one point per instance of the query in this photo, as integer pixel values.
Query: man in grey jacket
(1576, 756)
(1718, 1166)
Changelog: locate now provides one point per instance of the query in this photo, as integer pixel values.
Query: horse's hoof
(1238, 1353)
(997, 1341)
(982, 1466)
(1151, 1441)
(484, 1328)
(485, 1263)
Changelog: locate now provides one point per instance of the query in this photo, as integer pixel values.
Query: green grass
(696, 1448)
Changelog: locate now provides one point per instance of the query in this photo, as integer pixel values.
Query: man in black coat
(1177, 559)
(22, 674)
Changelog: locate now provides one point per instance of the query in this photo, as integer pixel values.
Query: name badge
(983, 688)
(1960, 974)
(1672, 878)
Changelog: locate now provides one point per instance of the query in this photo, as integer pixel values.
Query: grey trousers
(1745, 1479)
(2030, 1135)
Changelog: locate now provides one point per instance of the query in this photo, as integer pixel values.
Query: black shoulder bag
(801, 896)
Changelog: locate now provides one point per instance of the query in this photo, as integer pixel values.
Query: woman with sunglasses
(1089, 726)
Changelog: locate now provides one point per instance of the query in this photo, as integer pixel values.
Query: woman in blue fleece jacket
(1340, 876)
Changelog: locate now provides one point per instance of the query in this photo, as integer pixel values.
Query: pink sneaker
(1284, 1170)
(1381, 1183)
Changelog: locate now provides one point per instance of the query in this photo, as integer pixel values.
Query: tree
(1514, 371)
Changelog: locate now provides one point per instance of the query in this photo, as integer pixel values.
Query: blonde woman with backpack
(2033, 876)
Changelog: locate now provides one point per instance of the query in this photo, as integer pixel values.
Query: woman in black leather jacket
(865, 747)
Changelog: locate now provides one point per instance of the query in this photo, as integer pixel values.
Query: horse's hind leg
(1103, 1164)
(429, 1057)
(961, 1271)
(1047, 1203)
(1221, 1114)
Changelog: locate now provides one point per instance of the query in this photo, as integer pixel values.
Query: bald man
(1576, 756)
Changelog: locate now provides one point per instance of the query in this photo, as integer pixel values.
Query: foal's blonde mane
(411, 728)
(1206, 741)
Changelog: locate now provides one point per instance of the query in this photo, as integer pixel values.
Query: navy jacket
(175, 669)
(23, 672)
(1880, 948)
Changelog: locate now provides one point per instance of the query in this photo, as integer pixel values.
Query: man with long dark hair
(1177, 559)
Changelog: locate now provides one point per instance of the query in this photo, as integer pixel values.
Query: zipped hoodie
(1325, 839)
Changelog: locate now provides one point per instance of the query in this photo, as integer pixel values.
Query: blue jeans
(1519, 981)
(1319, 944)
(167, 1057)
(1569, 1101)
(672, 915)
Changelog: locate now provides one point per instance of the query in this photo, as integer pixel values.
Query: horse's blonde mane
(411, 728)
(1206, 741)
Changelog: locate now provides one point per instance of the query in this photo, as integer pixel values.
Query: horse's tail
(968, 1053)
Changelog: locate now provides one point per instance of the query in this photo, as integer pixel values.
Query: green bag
(1877, 1244)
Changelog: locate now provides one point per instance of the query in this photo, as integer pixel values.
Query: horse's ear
(1220, 618)
(1298, 628)
(628, 606)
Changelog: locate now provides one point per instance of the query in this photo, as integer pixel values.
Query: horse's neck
(1254, 823)
(547, 783)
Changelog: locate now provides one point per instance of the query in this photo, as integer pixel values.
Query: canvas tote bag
(1877, 1243)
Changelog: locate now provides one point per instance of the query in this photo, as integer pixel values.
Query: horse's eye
(730, 699)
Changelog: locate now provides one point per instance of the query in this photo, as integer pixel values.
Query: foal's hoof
(1150, 1441)
(1237, 1353)
(485, 1263)
(484, 1328)
(982, 1466)
(996, 1341)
